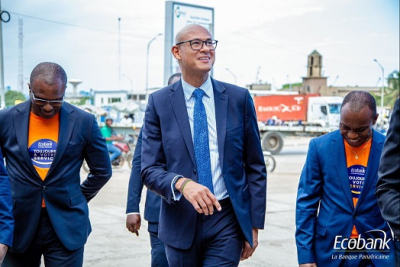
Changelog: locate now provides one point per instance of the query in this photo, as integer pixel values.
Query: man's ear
(176, 52)
(375, 119)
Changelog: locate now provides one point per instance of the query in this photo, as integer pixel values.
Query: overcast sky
(268, 39)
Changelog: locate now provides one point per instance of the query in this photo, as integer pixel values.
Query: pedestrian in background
(152, 205)
(44, 141)
(110, 136)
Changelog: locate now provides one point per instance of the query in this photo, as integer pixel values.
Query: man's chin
(47, 116)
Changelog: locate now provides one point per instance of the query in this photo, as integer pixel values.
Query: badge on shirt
(356, 179)
(42, 153)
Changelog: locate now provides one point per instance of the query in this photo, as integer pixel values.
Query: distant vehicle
(270, 162)
(126, 148)
(284, 115)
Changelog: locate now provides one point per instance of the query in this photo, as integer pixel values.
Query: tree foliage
(391, 92)
(12, 96)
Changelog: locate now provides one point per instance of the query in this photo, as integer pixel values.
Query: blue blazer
(152, 205)
(325, 206)
(65, 196)
(167, 151)
(6, 217)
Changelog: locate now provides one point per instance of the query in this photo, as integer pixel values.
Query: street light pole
(2, 89)
(383, 83)
(130, 80)
(147, 64)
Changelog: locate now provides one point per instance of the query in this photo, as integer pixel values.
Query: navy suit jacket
(6, 219)
(65, 196)
(388, 187)
(325, 206)
(167, 151)
(152, 205)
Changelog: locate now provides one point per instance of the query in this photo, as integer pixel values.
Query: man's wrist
(179, 182)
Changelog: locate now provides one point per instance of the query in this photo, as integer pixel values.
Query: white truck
(295, 115)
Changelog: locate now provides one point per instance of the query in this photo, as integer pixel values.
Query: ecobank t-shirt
(357, 162)
(42, 143)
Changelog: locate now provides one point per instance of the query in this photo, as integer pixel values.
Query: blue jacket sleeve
(135, 182)
(308, 198)
(6, 217)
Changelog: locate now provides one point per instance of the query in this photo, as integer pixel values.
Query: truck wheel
(272, 142)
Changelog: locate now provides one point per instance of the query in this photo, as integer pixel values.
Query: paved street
(110, 243)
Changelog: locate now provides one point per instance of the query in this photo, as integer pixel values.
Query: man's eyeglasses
(197, 44)
(43, 102)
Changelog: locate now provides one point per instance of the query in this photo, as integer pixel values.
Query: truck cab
(324, 111)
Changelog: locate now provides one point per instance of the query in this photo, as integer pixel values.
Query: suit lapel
(67, 121)
(372, 167)
(221, 111)
(21, 128)
(178, 105)
(339, 157)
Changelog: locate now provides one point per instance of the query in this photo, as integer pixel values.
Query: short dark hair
(359, 99)
(49, 71)
(173, 76)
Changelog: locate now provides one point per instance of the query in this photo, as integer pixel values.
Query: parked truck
(295, 115)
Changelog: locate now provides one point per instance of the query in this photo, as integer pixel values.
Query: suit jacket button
(194, 171)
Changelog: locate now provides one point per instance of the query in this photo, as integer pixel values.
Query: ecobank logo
(375, 247)
(372, 244)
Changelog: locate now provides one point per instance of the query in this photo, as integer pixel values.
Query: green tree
(391, 92)
(12, 96)
(81, 101)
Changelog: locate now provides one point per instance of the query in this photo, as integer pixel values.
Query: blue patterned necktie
(201, 147)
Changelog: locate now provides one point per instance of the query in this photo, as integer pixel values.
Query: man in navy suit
(388, 186)
(338, 222)
(6, 219)
(152, 206)
(213, 187)
(45, 141)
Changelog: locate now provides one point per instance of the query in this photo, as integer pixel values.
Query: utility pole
(20, 56)
(119, 53)
(4, 16)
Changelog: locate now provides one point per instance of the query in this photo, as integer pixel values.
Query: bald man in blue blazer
(213, 219)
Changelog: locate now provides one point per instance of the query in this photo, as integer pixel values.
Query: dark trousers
(218, 241)
(158, 257)
(46, 243)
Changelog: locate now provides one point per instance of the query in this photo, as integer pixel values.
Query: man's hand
(116, 137)
(308, 265)
(199, 196)
(3, 251)
(133, 222)
(248, 251)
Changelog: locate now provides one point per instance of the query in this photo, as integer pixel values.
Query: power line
(74, 25)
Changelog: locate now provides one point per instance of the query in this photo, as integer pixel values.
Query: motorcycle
(126, 155)
(270, 162)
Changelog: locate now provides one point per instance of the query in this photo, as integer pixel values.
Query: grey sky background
(268, 37)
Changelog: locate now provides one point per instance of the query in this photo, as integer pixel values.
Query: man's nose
(205, 48)
(48, 106)
(351, 134)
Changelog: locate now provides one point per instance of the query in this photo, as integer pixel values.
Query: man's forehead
(196, 32)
